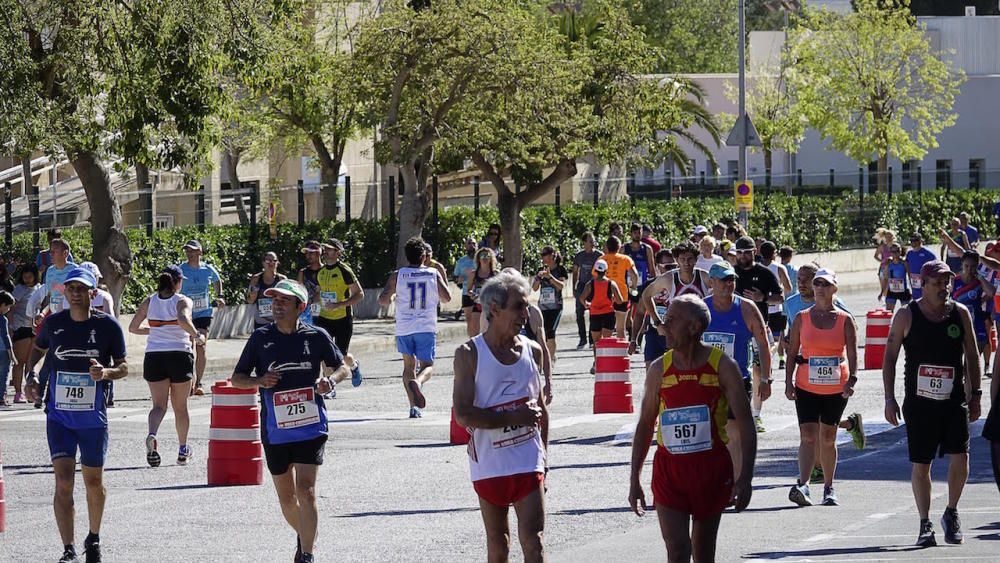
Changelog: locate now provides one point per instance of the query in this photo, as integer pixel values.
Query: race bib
(510, 436)
(896, 285)
(547, 297)
(824, 370)
(75, 391)
(315, 309)
(935, 382)
(328, 297)
(774, 309)
(725, 341)
(661, 310)
(686, 430)
(264, 306)
(295, 408)
(199, 303)
(915, 281)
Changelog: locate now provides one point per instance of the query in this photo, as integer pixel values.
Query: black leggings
(995, 456)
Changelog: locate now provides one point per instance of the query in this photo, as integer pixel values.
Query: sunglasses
(493, 234)
(747, 251)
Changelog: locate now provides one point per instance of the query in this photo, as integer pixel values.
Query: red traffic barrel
(876, 336)
(612, 385)
(235, 454)
(3, 501)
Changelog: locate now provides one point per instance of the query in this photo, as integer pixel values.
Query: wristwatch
(766, 381)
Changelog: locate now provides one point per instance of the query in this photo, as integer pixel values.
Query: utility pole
(741, 55)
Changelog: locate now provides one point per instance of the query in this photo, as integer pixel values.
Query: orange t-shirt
(618, 266)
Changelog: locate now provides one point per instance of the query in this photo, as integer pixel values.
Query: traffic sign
(740, 128)
(743, 192)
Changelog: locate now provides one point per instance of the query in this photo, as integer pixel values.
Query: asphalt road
(392, 489)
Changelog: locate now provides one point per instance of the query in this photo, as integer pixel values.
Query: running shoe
(333, 390)
(418, 395)
(759, 424)
(3, 401)
(19, 398)
(581, 345)
(69, 556)
(306, 558)
(830, 497)
(92, 550)
(799, 494)
(415, 413)
(857, 431)
(816, 476)
(198, 390)
(152, 456)
(183, 455)
(781, 363)
(38, 403)
(356, 377)
(952, 526)
(926, 537)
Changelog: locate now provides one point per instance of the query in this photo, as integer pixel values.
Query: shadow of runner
(408, 512)
(832, 551)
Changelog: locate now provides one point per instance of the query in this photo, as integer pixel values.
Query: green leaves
(869, 82)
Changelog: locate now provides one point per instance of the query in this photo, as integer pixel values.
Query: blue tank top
(730, 333)
(639, 257)
(897, 277)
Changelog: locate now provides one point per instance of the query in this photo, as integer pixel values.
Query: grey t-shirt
(585, 261)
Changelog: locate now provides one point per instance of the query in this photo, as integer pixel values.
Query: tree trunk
(111, 250)
(883, 173)
(413, 209)
(232, 161)
(510, 229)
(329, 172)
(768, 159)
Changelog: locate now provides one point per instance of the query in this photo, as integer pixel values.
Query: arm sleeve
(213, 275)
(118, 349)
(248, 358)
(332, 356)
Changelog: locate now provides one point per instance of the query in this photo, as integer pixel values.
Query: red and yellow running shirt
(693, 408)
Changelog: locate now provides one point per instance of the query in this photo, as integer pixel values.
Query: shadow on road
(830, 551)
(408, 512)
(591, 465)
(181, 487)
(582, 511)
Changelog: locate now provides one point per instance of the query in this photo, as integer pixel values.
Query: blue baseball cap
(722, 270)
(81, 275)
(175, 272)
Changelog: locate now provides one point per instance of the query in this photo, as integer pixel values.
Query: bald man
(690, 389)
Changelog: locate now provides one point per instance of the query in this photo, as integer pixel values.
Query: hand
(324, 385)
(220, 302)
(742, 491)
(848, 390)
(975, 409)
(96, 370)
(754, 294)
(637, 498)
(789, 391)
(547, 392)
(269, 380)
(529, 414)
(764, 390)
(892, 413)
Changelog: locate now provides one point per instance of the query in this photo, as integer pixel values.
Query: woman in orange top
(823, 342)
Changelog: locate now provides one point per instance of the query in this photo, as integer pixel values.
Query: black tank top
(934, 344)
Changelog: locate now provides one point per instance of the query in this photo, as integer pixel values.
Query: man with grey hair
(689, 390)
(498, 396)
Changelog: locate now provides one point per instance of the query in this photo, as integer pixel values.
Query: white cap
(90, 266)
(601, 266)
(827, 275)
(701, 230)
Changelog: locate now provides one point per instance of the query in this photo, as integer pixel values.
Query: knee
(94, 483)
(64, 488)
(533, 546)
(305, 492)
(678, 549)
(498, 544)
(807, 438)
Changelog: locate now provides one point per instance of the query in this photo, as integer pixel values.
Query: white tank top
(498, 452)
(775, 309)
(696, 287)
(416, 300)
(165, 335)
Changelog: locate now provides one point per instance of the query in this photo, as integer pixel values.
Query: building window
(943, 174)
(910, 174)
(977, 167)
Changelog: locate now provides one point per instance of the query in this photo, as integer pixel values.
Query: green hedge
(807, 222)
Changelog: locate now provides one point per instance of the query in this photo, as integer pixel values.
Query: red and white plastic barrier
(235, 453)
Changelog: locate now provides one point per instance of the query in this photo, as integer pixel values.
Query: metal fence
(170, 204)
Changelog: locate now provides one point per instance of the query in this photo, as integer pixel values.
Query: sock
(69, 547)
(92, 538)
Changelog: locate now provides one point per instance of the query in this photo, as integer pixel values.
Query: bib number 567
(682, 431)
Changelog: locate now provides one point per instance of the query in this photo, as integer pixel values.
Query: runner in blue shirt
(199, 278)
(283, 361)
(916, 257)
(971, 232)
(460, 276)
(84, 350)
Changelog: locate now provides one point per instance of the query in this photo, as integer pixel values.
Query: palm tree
(694, 114)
